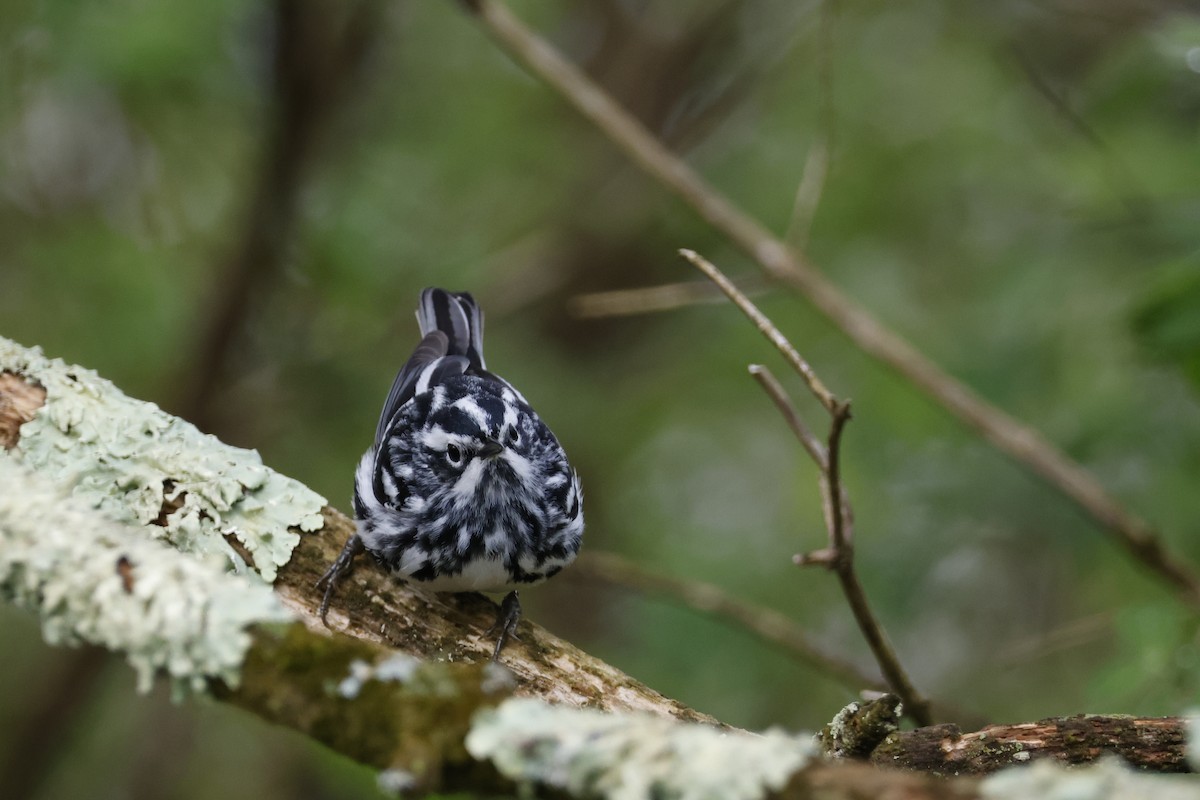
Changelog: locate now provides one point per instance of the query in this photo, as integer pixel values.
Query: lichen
(94, 580)
(138, 465)
(1192, 732)
(627, 756)
(858, 728)
(396, 782)
(398, 667)
(1107, 779)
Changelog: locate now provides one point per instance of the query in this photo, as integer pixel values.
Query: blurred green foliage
(1015, 188)
(1167, 322)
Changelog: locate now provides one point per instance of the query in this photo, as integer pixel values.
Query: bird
(464, 487)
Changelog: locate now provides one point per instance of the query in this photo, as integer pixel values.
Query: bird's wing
(427, 366)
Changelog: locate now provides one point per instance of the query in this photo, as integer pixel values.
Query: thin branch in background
(319, 48)
(808, 192)
(775, 390)
(839, 555)
(1024, 444)
(816, 164)
(654, 299)
(1117, 173)
(54, 709)
(765, 327)
(765, 623)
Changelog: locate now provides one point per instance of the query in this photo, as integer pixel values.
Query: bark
(370, 607)
(19, 401)
(1151, 744)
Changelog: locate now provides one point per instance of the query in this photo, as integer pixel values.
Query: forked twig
(1019, 441)
(839, 555)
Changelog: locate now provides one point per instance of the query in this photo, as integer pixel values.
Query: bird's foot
(506, 622)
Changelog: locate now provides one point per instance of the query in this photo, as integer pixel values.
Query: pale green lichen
(398, 667)
(94, 580)
(396, 782)
(1192, 730)
(627, 756)
(127, 458)
(1107, 779)
(858, 728)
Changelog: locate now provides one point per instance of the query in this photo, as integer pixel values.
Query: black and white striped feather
(464, 487)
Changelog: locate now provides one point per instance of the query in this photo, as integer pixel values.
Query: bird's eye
(454, 454)
(513, 438)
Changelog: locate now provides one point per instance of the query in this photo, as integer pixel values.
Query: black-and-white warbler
(465, 488)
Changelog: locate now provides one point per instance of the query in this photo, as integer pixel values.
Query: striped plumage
(464, 487)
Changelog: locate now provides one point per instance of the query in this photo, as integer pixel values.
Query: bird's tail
(457, 315)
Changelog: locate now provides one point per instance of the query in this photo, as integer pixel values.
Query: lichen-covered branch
(125, 527)
(371, 607)
(583, 754)
(94, 580)
(91, 542)
(176, 495)
(405, 717)
(142, 467)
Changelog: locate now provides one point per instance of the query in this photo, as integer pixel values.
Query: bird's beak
(491, 448)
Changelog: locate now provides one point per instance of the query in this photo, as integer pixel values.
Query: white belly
(479, 575)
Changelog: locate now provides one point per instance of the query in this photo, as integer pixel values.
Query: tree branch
(1024, 444)
(1155, 744)
(317, 50)
(119, 448)
(839, 555)
(816, 164)
(766, 328)
(411, 692)
(774, 389)
(372, 607)
(649, 299)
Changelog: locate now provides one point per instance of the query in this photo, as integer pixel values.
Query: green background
(1013, 187)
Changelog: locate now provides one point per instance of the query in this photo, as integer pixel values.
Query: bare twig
(775, 390)
(816, 164)
(765, 623)
(1118, 174)
(319, 48)
(651, 299)
(765, 327)
(808, 192)
(839, 529)
(1022, 443)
